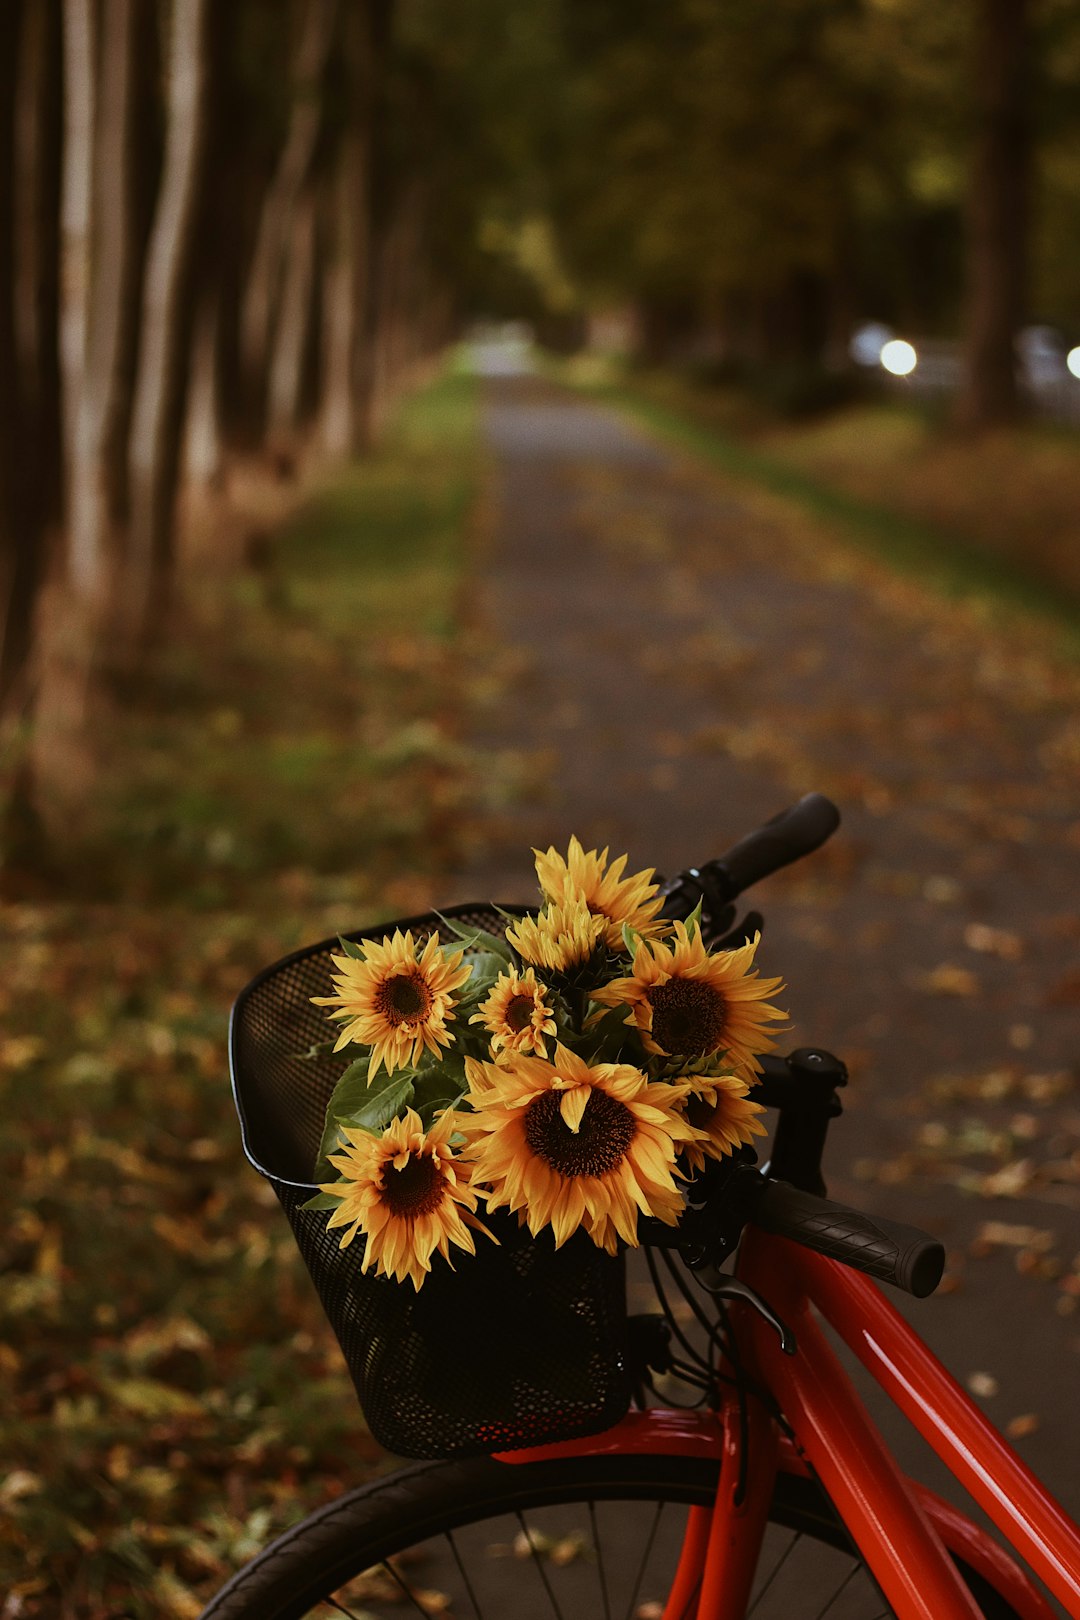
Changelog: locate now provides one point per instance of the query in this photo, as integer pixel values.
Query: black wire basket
(517, 1346)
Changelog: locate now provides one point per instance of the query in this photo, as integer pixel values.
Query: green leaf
(693, 922)
(386, 1096)
(332, 1139)
(631, 939)
(365, 1107)
(438, 1105)
(351, 1089)
(322, 1200)
(473, 938)
(439, 1088)
(486, 968)
(353, 948)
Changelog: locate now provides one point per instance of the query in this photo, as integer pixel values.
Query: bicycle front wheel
(563, 1540)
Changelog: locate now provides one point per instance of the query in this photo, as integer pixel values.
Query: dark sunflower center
(599, 1146)
(519, 1011)
(404, 998)
(415, 1190)
(688, 1016)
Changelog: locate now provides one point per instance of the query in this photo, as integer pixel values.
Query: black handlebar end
(889, 1250)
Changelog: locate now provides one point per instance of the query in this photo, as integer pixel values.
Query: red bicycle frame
(903, 1531)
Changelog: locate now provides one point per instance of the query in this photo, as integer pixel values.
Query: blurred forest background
(240, 493)
(230, 234)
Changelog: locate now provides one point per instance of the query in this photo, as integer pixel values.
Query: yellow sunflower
(586, 875)
(407, 1193)
(718, 1109)
(563, 937)
(395, 1001)
(574, 1145)
(516, 1015)
(688, 1004)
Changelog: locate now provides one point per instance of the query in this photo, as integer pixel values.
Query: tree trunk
(203, 459)
(391, 344)
(264, 291)
(290, 346)
(344, 296)
(360, 217)
(29, 290)
(30, 407)
(998, 217)
(157, 413)
(76, 205)
(11, 483)
(97, 473)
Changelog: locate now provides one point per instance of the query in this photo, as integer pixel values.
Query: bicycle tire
(453, 1505)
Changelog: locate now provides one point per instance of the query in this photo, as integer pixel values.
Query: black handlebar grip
(794, 832)
(889, 1250)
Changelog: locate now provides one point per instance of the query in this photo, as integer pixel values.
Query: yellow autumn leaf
(147, 1398)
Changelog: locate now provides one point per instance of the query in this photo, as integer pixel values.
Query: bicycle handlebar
(889, 1250)
(796, 831)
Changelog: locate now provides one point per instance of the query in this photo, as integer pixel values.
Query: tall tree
(998, 215)
(349, 279)
(31, 471)
(271, 259)
(167, 312)
(292, 337)
(79, 36)
(108, 315)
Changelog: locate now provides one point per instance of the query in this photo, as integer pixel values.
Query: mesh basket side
(519, 1345)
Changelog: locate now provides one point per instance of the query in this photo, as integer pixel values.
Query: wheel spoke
(777, 1567)
(539, 1565)
(407, 1590)
(841, 1589)
(464, 1575)
(630, 1607)
(599, 1560)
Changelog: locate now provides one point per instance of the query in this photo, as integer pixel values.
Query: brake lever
(723, 1286)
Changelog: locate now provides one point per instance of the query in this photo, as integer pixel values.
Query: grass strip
(951, 564)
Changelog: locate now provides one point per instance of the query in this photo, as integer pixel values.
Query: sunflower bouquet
(576, 1072)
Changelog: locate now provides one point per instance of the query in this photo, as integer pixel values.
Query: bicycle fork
(722, 1543)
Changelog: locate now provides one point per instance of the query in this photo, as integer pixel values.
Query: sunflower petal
(572, 1105)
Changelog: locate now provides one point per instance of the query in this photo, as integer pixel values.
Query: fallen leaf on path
(1047, 1088)
(18, 1051)
(982, 1384)
(1010, 1181)
(949, 980)
(993, 941)
(1004, 1234)
(942, 891)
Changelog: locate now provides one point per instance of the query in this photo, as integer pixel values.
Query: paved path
(675, 659)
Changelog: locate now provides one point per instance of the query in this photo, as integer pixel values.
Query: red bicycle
(766, 1490)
